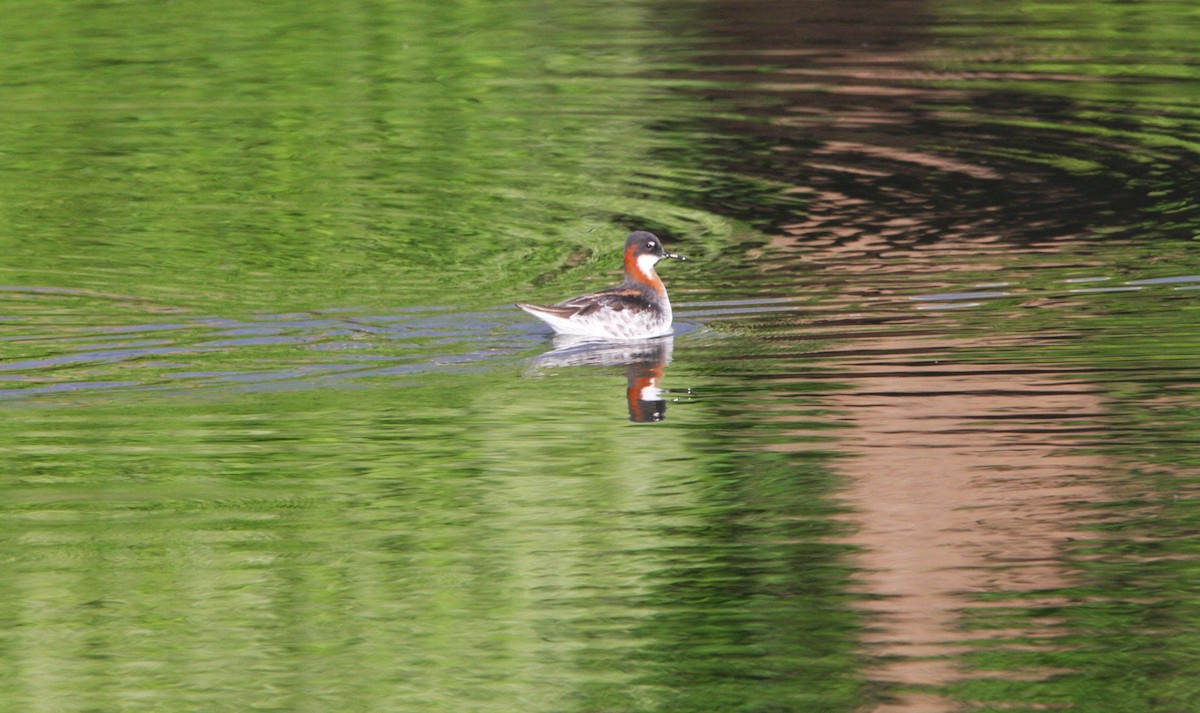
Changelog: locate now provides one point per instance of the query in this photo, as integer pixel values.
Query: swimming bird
(637, 308)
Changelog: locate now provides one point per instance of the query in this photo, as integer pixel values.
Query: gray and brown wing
(617, 299)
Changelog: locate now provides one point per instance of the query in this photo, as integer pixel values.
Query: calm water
(273, 437)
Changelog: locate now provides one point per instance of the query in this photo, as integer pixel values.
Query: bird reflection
(644, 360)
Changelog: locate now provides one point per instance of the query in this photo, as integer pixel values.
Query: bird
(638, 308)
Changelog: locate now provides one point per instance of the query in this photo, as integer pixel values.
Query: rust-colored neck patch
(642, 270)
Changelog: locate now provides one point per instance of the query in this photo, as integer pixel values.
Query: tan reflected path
(962, 481)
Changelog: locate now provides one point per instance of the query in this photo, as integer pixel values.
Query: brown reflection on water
(963, 481)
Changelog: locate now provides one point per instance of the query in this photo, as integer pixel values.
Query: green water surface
(273, 438)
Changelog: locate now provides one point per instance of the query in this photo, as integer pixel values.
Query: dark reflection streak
(1046, 416)
(875, 168)
(961, 392)
(827, 373)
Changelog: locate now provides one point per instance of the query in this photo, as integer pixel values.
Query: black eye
(650, 244)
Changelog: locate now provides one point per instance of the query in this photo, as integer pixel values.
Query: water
(274, 438)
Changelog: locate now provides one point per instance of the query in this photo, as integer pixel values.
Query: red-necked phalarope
(637, 308)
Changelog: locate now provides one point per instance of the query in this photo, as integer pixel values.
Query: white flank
(610, 325)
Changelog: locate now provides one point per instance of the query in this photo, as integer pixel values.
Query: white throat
(646, 263)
